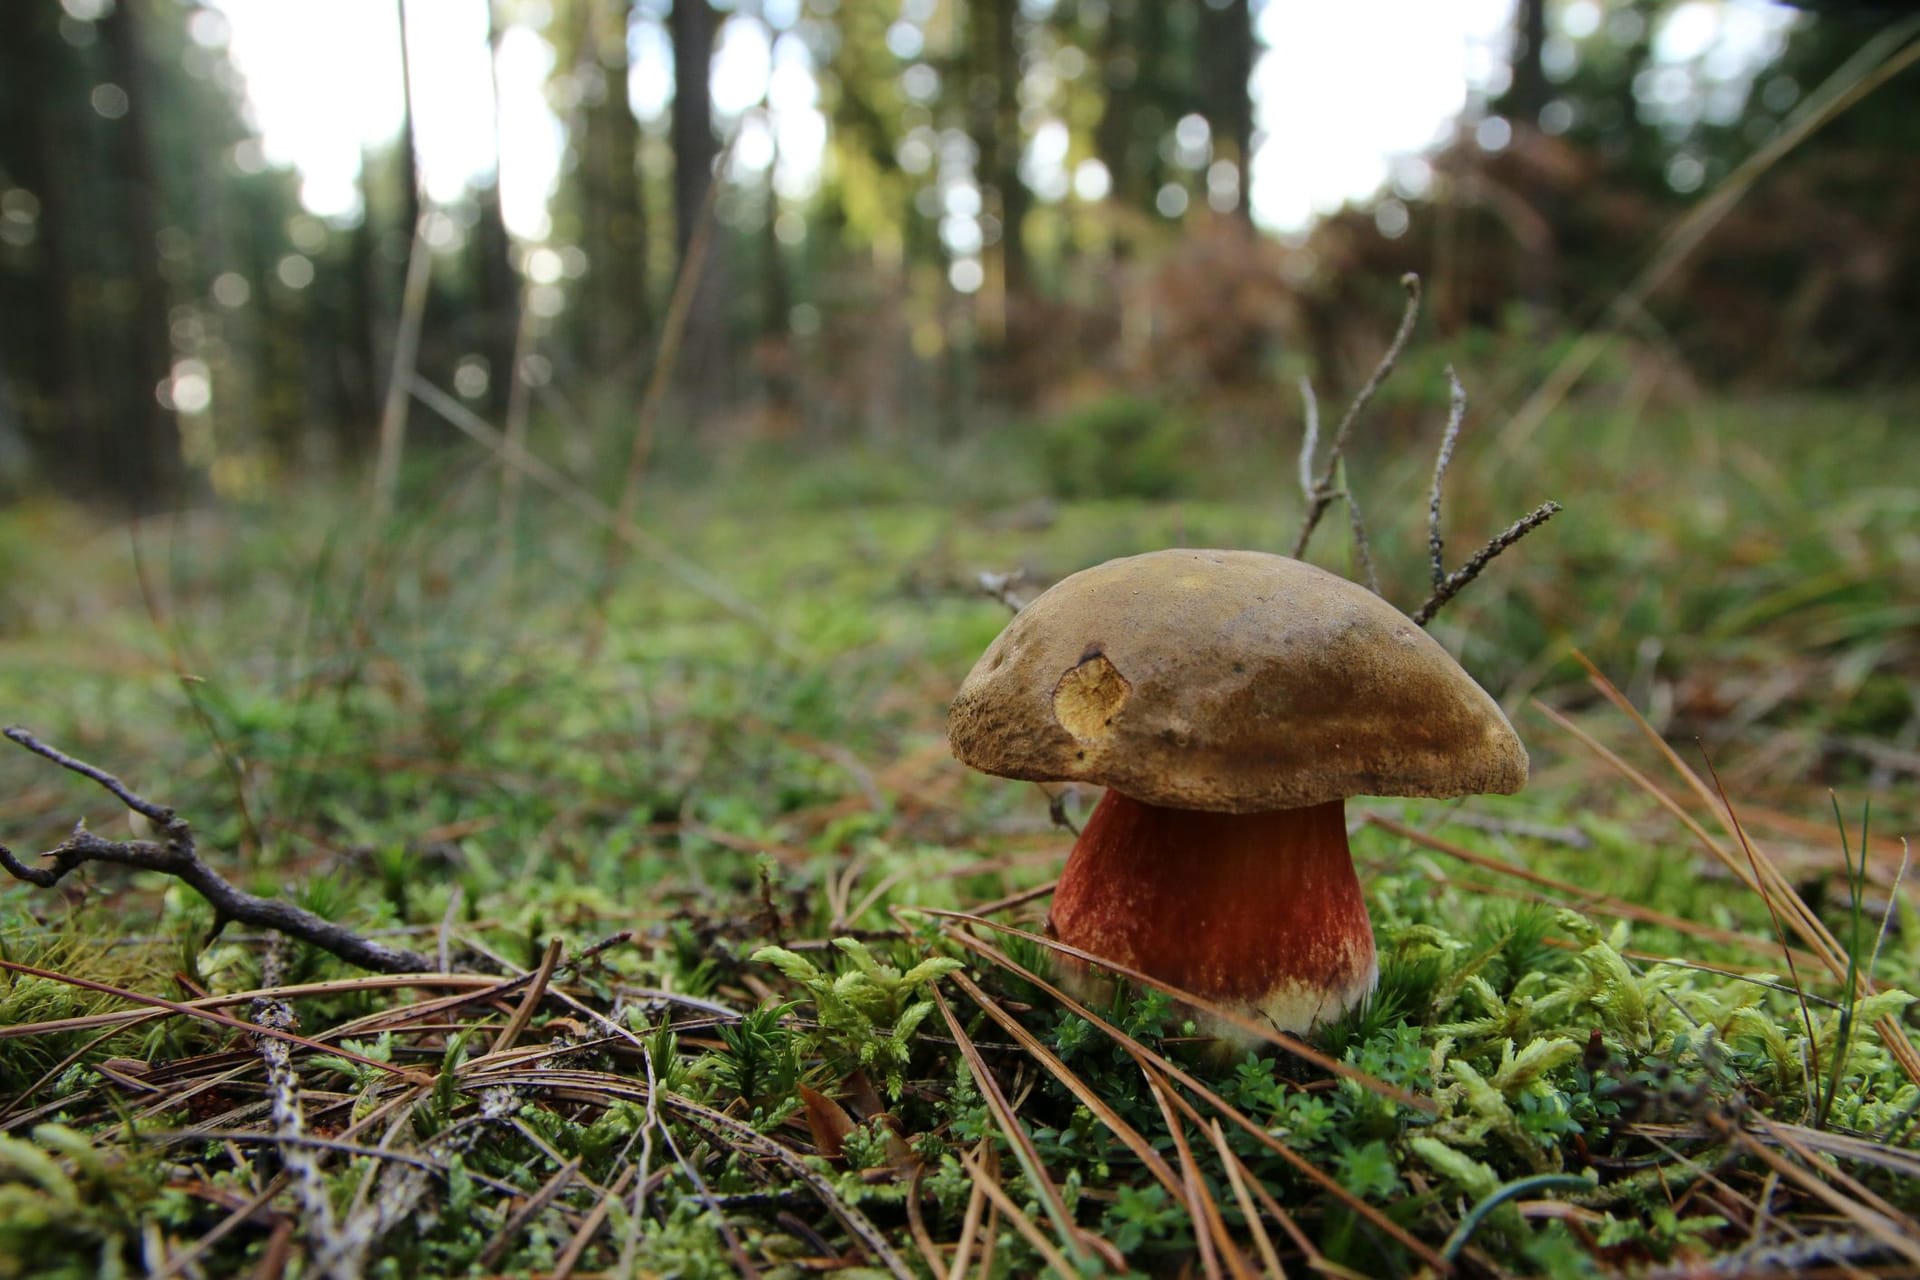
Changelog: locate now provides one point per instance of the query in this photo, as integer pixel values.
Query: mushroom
(1230, 702)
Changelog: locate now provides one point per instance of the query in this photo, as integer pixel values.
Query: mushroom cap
(1233, 681)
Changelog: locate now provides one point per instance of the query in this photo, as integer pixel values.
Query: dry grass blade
(297, 991)
(1018, 1140)
(1103, 1111)
(526, 1213)
(1279, 1039)
(1786, 1137)
(748, 1138)
(406, 347)
(970, 1220)
(210, 1015)
(1306, 1167)
(1874, 64)
(1026, 1226)
(1209, 1229)
(1012, 900)
(1904, 1241)
(1589, 900)
(1237, 1178)
(654, 548)
(1653, 789)
(536, 991)
(596, 1218)
(1757, 870)
(1279, 1215)
(917, 1222)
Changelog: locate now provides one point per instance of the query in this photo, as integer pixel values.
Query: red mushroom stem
(1260, 913)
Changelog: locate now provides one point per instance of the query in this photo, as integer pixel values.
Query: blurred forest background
(1022, 209)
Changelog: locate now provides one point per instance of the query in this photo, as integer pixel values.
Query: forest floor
(1615, 1031)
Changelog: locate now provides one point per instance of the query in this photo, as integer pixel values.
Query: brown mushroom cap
(1234, 681)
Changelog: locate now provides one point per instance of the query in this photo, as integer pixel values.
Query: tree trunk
(145, 466)
(612, 212)
(409, 155)
(499, 285)
(1230, 46)
(694, 26)
(1113, 138)
(47, 354)
(993, 121)
(1014, 199)
(1529, 90)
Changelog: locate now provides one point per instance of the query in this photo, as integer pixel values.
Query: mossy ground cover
(739, 974)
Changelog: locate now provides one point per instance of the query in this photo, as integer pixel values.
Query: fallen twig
(176, 856)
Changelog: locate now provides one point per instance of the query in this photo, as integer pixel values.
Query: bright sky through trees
(1343, 90)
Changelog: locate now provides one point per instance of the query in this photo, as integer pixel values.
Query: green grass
(425, 738)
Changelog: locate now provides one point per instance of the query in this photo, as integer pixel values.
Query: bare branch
(1456, 416)
(1057, 808)
(1361, 546)
(1309, 439)
(175, 856)
(1459, 578)
(1001, 587)
(159, 815)
(1323, 492)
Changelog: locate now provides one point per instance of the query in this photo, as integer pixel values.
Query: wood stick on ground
(175, 855)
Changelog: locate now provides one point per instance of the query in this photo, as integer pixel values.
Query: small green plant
(867, 1015)
(761, 1060)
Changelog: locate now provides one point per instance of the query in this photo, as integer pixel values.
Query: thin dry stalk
(654, 548)
(970, 1220)
(1209, 1231)
(1274, 1211)
(535, 1205)
(1018, 1140)
(917, 1223)
(289, 1120)
(1877, 61)
(1279, 1039)
(1589, 899)
(1012, 900)
(590, 1226)
(1237, 1178)
(1320, 1177)
(1456, 418)
(1889, 1231)
(1129, 1136)
(1759, 870)
(1323, 491)
(745, 1137)
(1457, 581)
(241, 1214)
(994, 1192)
(406, 351)
(1309, 437)
(1362, 548)
(213, 1016)
(536, 991)
(1004, 587)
